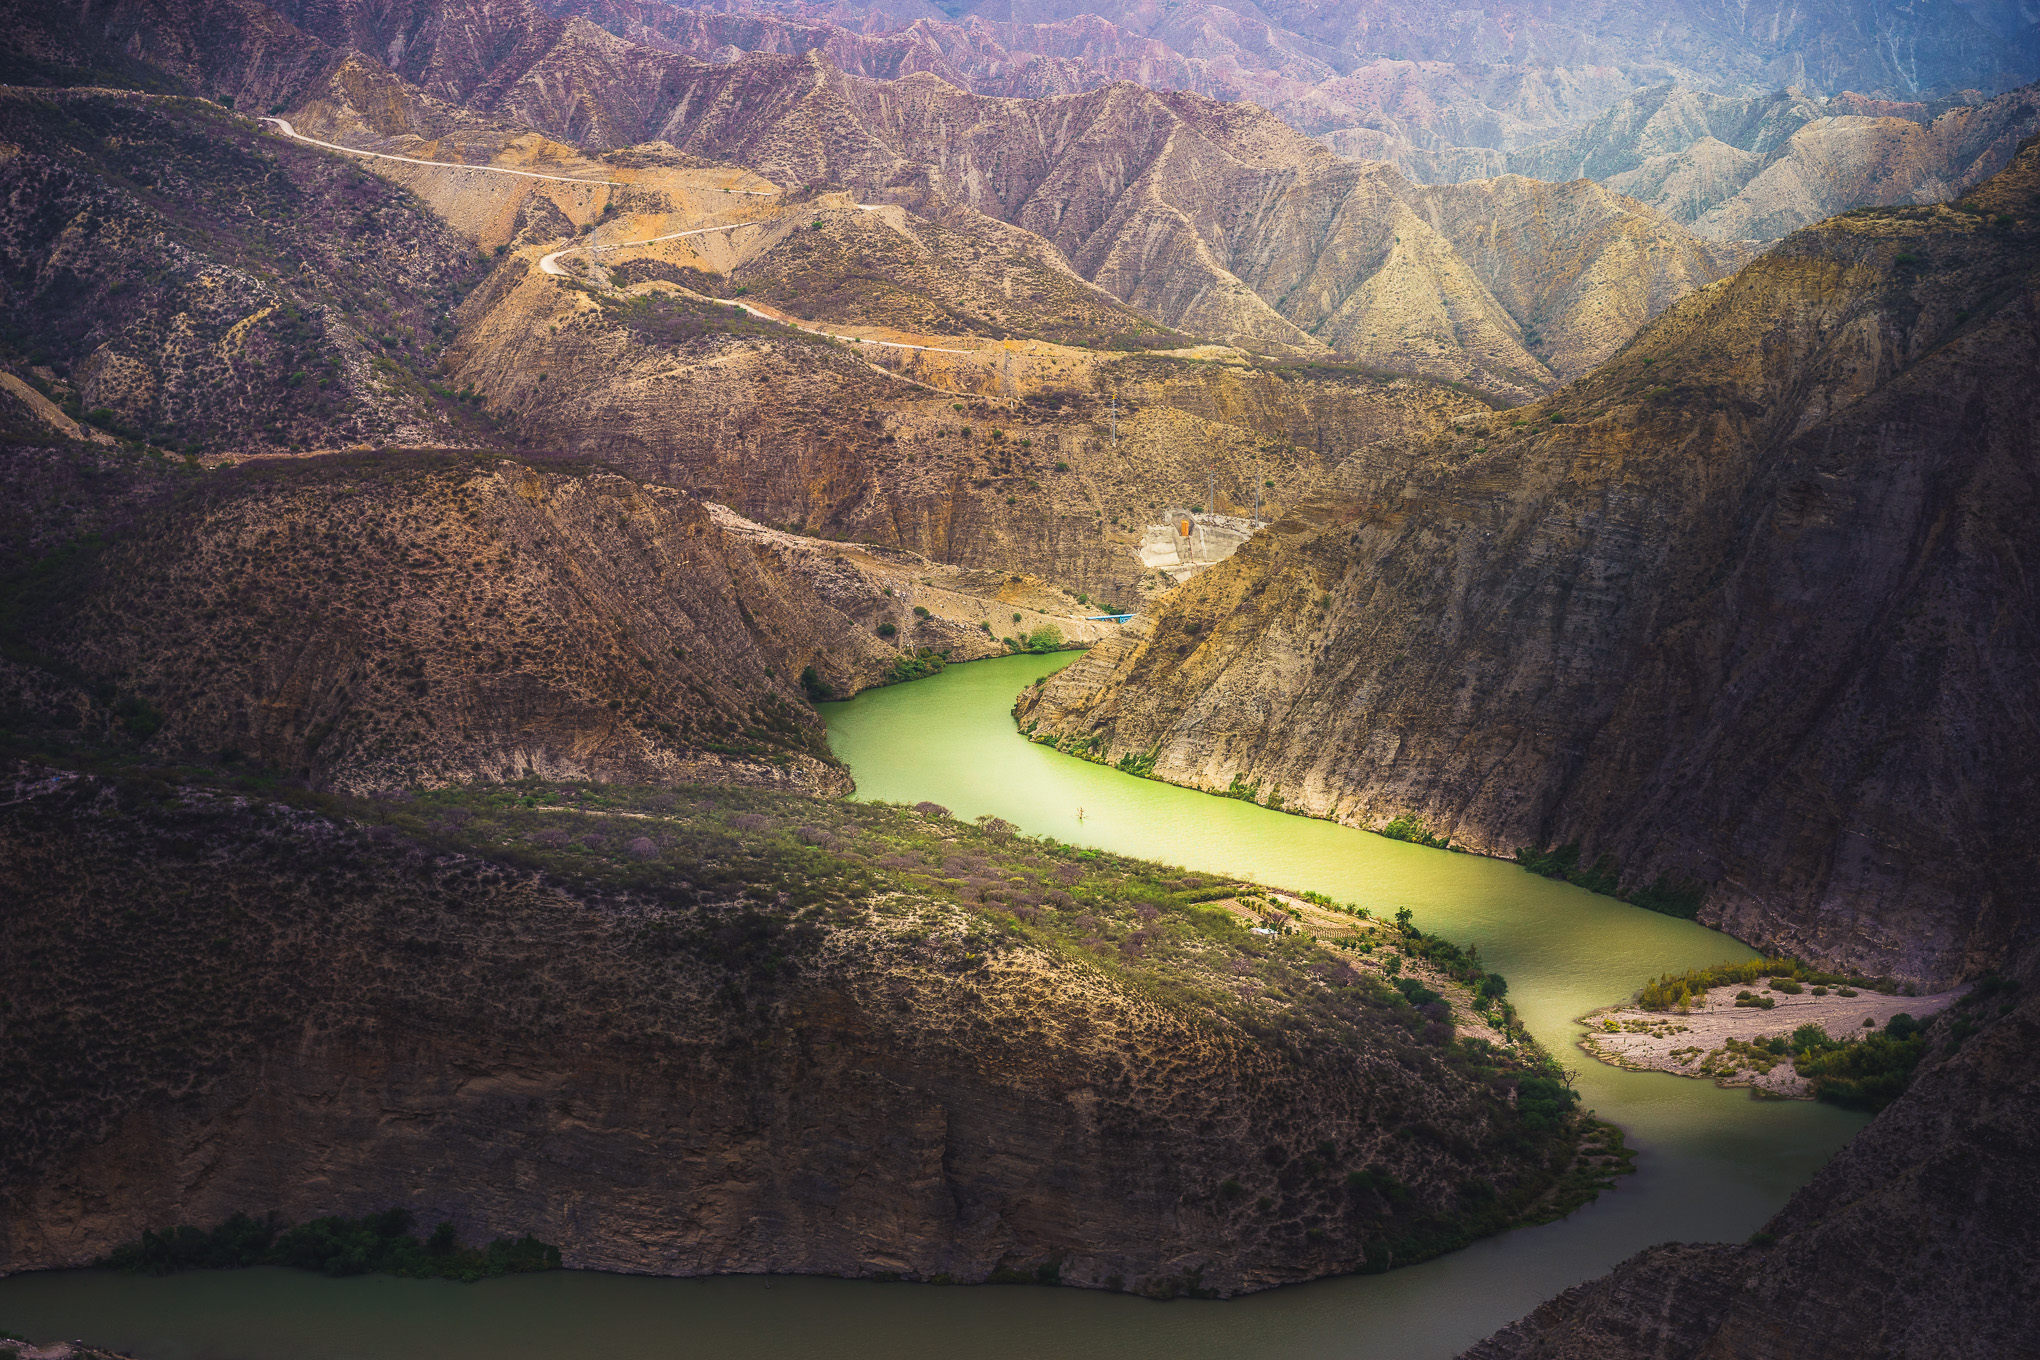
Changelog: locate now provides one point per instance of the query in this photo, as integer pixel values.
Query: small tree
(1046, 638)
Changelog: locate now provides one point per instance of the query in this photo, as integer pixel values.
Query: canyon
(418, 576)
(1717, 612)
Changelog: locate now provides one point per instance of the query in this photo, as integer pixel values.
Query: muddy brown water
(1713, 1164)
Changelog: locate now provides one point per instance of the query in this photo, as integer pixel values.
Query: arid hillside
(1746, 611)
(1214, 219)
(1761, 167)
(765, 1033)
(1210, 218)
(391, 620)
(207, 288)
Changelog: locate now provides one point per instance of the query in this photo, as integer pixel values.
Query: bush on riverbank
(916, 665)
(379, 1244)
(1859, 1074)
(1679, 991)
(1462, 963)
(1413, 830)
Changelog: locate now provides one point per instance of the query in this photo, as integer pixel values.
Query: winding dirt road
(295, 135)
(550, 264)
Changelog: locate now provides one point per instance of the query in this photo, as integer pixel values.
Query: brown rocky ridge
(1742, 610)
(1214, 219)
(1761, 166)
(1443, 81)
(387, 620)
(762, 1033)
(211, 351)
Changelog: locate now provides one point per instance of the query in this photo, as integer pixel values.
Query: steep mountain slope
(195, 283)
(1451, 90)
(390, 620)
(1212, 218)
(1763, 166)
(1916, 1242)
(1455, 87)
(1445, 83)
(1749, 608)
(659, 379)
(1002, 456)
(764, 1033)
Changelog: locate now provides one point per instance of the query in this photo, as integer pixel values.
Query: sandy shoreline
(1695, 1043)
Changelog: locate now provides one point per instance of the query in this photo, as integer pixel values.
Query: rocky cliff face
(732, 1032)
(1742, 609)
(1916, 1241)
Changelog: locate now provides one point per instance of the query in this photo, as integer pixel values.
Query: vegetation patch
(1678, 991)
(671, 320)
(379, 1244)
(1413, 830)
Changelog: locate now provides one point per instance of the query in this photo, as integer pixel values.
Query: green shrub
(886, 630)
(1543, 1101)
(1415, 992)
(1671, 991)
(1558, 863)
(1413, 830)
(1866, 1074)
(377, 1244)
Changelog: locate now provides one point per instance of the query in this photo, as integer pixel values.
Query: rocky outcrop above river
(1916, 1242)
(1745, 610)
(713, 1031)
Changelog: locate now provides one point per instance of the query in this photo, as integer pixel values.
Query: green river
(1713, 1164)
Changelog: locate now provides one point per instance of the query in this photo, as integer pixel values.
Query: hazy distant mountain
(1765, 165)
(1428, 79)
